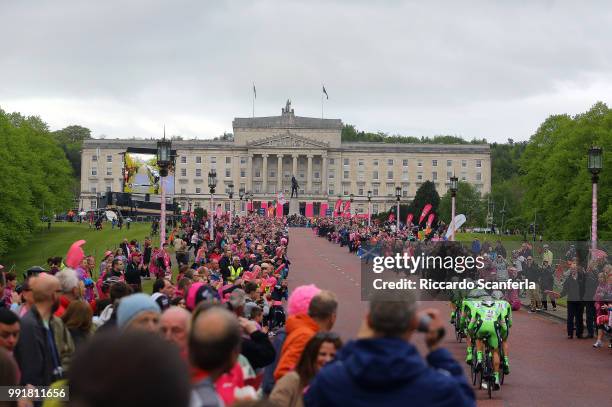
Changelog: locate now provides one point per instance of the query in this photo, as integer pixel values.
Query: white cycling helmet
(498, 295)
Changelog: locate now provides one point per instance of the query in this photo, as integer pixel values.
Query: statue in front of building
(294, 186)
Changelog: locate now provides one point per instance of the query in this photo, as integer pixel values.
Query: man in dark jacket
(547, 281)
(571, 288)
(590, 286)
(37, 352)
(383, 368)
(532, 273)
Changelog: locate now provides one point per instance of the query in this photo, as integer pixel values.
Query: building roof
(287, 121)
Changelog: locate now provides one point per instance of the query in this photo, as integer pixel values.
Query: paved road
(547, 368)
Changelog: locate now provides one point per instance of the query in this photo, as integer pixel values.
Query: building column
(309, 175)
(295, 162)
(264, 169)
(249, 183)
(279, 173)
(324, 177)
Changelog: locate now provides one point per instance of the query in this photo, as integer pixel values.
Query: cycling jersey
(483, 322)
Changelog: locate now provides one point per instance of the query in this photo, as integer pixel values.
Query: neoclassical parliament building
(267, 151)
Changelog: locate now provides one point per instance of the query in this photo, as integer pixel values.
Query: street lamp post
(230, 192)
(595, 165)
(369, 208)
(212, 183)
(454, 183)
(398, 194)
(164, 160)
(241, 195)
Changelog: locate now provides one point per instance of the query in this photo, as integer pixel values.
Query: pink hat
(107, 253)
(299, 300)
(75, 254)
(191, 295)
(283, 241)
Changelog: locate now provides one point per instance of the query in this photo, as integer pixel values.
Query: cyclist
(456, 298)
(483, 326)
(506, 314)
(468, 307)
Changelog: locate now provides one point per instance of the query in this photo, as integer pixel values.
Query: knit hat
(299, 300)
(132, 305)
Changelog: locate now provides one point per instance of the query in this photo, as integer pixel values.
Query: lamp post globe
(595, 165)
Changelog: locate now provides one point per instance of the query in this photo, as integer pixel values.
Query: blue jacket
(389, 372)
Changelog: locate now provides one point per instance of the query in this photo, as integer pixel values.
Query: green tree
(468, 202)
(35, 175)
(71, 140)
(555, 178)
(425, 194)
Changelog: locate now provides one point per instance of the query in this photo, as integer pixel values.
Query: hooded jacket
(389, 372)
(300, 329)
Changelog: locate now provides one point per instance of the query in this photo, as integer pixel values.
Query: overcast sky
(493, 69)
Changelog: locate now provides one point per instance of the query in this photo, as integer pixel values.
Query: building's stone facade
(310, 149)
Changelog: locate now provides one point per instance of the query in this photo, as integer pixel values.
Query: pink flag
(409, 219)
(391, 217)
(279, 210)
(218, 211)
(309, 210)
(426, 210)
(337, 207)
(430, 219)
(347, 209)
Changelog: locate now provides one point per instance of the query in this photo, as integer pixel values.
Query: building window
(183, 172)
(331, 161)
(419, 177)
(93, 204)
(213, 160)
(317, 175)
(109, 188)
(94, 158)
(183, 191)
(434, 163)
(434, 175)
(242, 173)
(198, 172)
(449, 163)
(360, 176)
(405, 191)
(183, 159)
(346, 174)
(227, 207)
(228, 173)
(198, 159)
(419, 163)
(375, 208)
(109, 158)
(404, 163)
(405, 175)
(463, 176)
(257, 188)
(374, 191)
(360, 191)
(390, 189)
(228, 160)
(94, 171)
(109, 170)
(360, 163)
(478, 163)
(375, 163)
(449, 174)
(330, 189)
(257, 174)
(346, 162)
(389, 174)
(93, 189)
(464, 163)
(331, 174)
(198, 190)
(390, 162)
(272, 174)
(478, 176)
(345, 191)
(375, 175)
(301, 175)
(243, 160)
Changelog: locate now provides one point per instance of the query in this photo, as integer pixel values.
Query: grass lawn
(55, 242)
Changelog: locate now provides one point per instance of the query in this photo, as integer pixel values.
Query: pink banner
(309, 209)
(279, 210)
(426, 210)
(347, 209)
(323, 210)
(249, 206)
(337, 207)
(430, 219)
(409, 219)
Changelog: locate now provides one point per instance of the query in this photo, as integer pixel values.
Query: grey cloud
(400, 67)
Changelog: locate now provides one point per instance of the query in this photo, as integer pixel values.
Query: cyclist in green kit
(483, 326)
(468, 307)
(506, 314)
